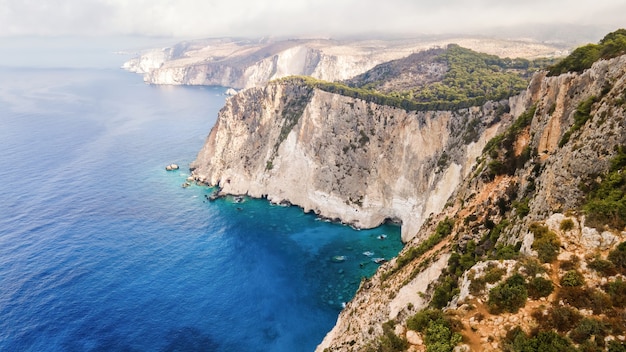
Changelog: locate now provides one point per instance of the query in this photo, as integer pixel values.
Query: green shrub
(566, 225)
(571, 264)
(532, 267)
(446, 289)
(501, 148)
(419, 321)
(546, 243)
(581, 116)
(539, 287)
(606, 201)
(572, 278)
(544, 341)
(438, 331)
(389, 341)
(615, 346)
(477, 285)
(508, 296)
(495, 232)
(560, 318)
(617, 291)
(604, 267)
(506, 252)
(522, 208)
(588, 328)
(440, 338)
(585, 298)
(494, 274)
(618, 257)
(612, 45)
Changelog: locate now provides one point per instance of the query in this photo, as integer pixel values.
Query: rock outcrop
(343, 158)
(249, 63)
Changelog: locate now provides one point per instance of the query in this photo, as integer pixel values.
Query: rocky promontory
(344, 158)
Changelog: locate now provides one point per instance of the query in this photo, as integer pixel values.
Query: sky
(192, 19)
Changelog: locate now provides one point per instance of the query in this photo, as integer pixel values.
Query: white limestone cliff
(342, 158)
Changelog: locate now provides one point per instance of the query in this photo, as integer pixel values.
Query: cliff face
(363, 163)
(551, 184)
(343, 158)
(248, 63)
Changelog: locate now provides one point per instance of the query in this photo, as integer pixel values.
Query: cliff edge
(344, 158)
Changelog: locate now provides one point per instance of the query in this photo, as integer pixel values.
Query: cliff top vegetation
(437, 79)
(612, 45)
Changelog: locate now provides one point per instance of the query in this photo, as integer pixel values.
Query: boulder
(414, 338)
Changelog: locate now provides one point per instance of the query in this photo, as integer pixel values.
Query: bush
(618, 257)
(585, 298)
(615, 346)
(571, 264)
(604, 267)
(572, 278)
(606, 203)
(494, 274)
(522, 208)
(476, 286)
(446, 289)
(566, 225)
(438, 331)
(439, 337)
(390, 342)
(546, 243)
(506, 252)
(532, 267)
(617, 292)
(560, 318)
(587, 328)
(539, 287)
(548, 341)
(508, 296)
(419, 321)
(581, 116)
(612, 45)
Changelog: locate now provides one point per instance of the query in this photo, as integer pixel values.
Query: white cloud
(202, 18)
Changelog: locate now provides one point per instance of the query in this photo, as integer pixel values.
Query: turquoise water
(102, 249)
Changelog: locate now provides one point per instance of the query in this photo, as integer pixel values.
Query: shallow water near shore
(102, 249)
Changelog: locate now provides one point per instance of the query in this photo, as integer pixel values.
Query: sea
(101, 249)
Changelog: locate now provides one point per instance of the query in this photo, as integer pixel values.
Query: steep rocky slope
(502, 218)
(242, 63)
(503, 238)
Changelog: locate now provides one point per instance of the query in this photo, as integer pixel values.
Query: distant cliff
(242, 63)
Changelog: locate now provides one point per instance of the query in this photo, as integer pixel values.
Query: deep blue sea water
(101, 249)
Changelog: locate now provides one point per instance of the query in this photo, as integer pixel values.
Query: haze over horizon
(189, 19)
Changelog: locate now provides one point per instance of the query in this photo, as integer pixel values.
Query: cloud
(202, 18)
